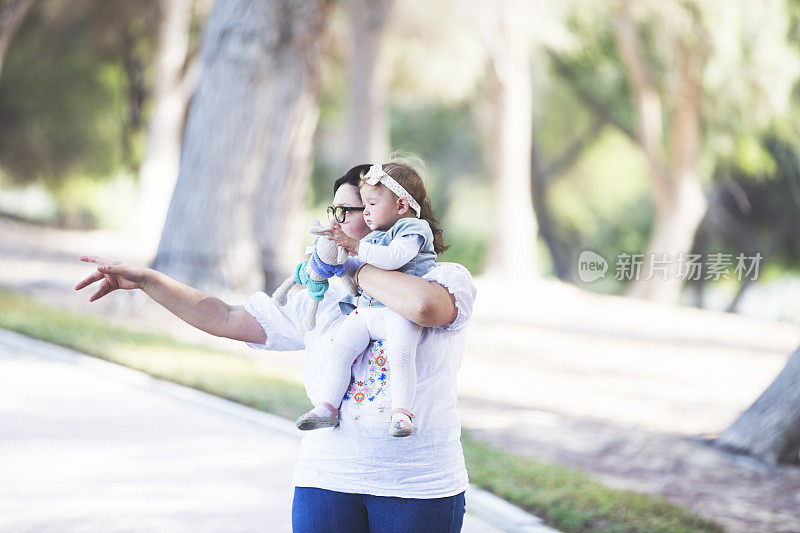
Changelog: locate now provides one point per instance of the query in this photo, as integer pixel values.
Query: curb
(480, 503)
(502, 514)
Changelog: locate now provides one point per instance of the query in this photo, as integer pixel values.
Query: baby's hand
(348, 243)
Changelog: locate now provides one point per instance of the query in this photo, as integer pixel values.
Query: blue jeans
(325, 511)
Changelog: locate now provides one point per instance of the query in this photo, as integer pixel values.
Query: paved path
(86, 445)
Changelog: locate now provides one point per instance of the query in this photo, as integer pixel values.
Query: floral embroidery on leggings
(373, 386)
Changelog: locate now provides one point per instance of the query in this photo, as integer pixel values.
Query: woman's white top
(359, 456)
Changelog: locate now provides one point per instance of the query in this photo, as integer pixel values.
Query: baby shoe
(402, 426)
(324, 415)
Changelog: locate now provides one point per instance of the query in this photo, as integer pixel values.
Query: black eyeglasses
(340, 212)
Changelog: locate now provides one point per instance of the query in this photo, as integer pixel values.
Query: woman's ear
(402, 206)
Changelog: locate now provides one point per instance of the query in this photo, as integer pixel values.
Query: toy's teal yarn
(316, 289)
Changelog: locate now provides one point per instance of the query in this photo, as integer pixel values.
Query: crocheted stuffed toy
(327, 260)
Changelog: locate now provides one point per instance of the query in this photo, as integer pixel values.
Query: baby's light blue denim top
(420, 264)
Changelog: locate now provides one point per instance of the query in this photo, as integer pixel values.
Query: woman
(353, 478)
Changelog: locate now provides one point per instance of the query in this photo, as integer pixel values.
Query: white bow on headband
(377, 175)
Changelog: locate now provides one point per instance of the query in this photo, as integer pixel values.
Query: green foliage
(468, 225)
(594, 68)
(749, 64)
(467, 249)
(748, 69)
(71, 98)
(602, 203)
(561, 118)
(761, 214)
(320, 188)
(444, 138)
(60, 109)
(85, 202)
(753, 158)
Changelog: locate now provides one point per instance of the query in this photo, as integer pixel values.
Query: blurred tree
(505, 33)
(174, 82)
(515, 33)
(679, 199)
(247, 145)
(70, 94)
(694, 88)
(434, 65)
(445, 137)
(745, 214)
(12, 12)
(770, 428)
(743, 204)
(543, 173)
(431, 64)
(586, 191)
(368, 122)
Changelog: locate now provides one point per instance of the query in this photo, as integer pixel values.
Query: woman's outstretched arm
(421, 301)
(195, 307)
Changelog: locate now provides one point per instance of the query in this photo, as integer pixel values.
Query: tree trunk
(248, 134)
(770, 428)
(677, 219)
(679, 199)
(292, 122)
(171, 94)
(734, 304)
(12, 12)
(512, 249)
(702, 241)
(368, 120)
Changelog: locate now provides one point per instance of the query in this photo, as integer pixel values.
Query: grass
(568, 499)
(564, 497)
(231, 376)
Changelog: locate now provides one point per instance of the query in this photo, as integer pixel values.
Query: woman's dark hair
(352, 177)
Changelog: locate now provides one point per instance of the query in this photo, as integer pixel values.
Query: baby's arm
(392, 256)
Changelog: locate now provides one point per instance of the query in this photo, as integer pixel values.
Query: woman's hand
(348, 243)
(115, 275)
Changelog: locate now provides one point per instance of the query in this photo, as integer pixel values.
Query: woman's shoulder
(457, 280)
(450, 270)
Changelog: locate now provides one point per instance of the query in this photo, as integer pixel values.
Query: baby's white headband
(377, 175)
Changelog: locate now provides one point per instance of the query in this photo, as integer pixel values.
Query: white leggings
(358, 329)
